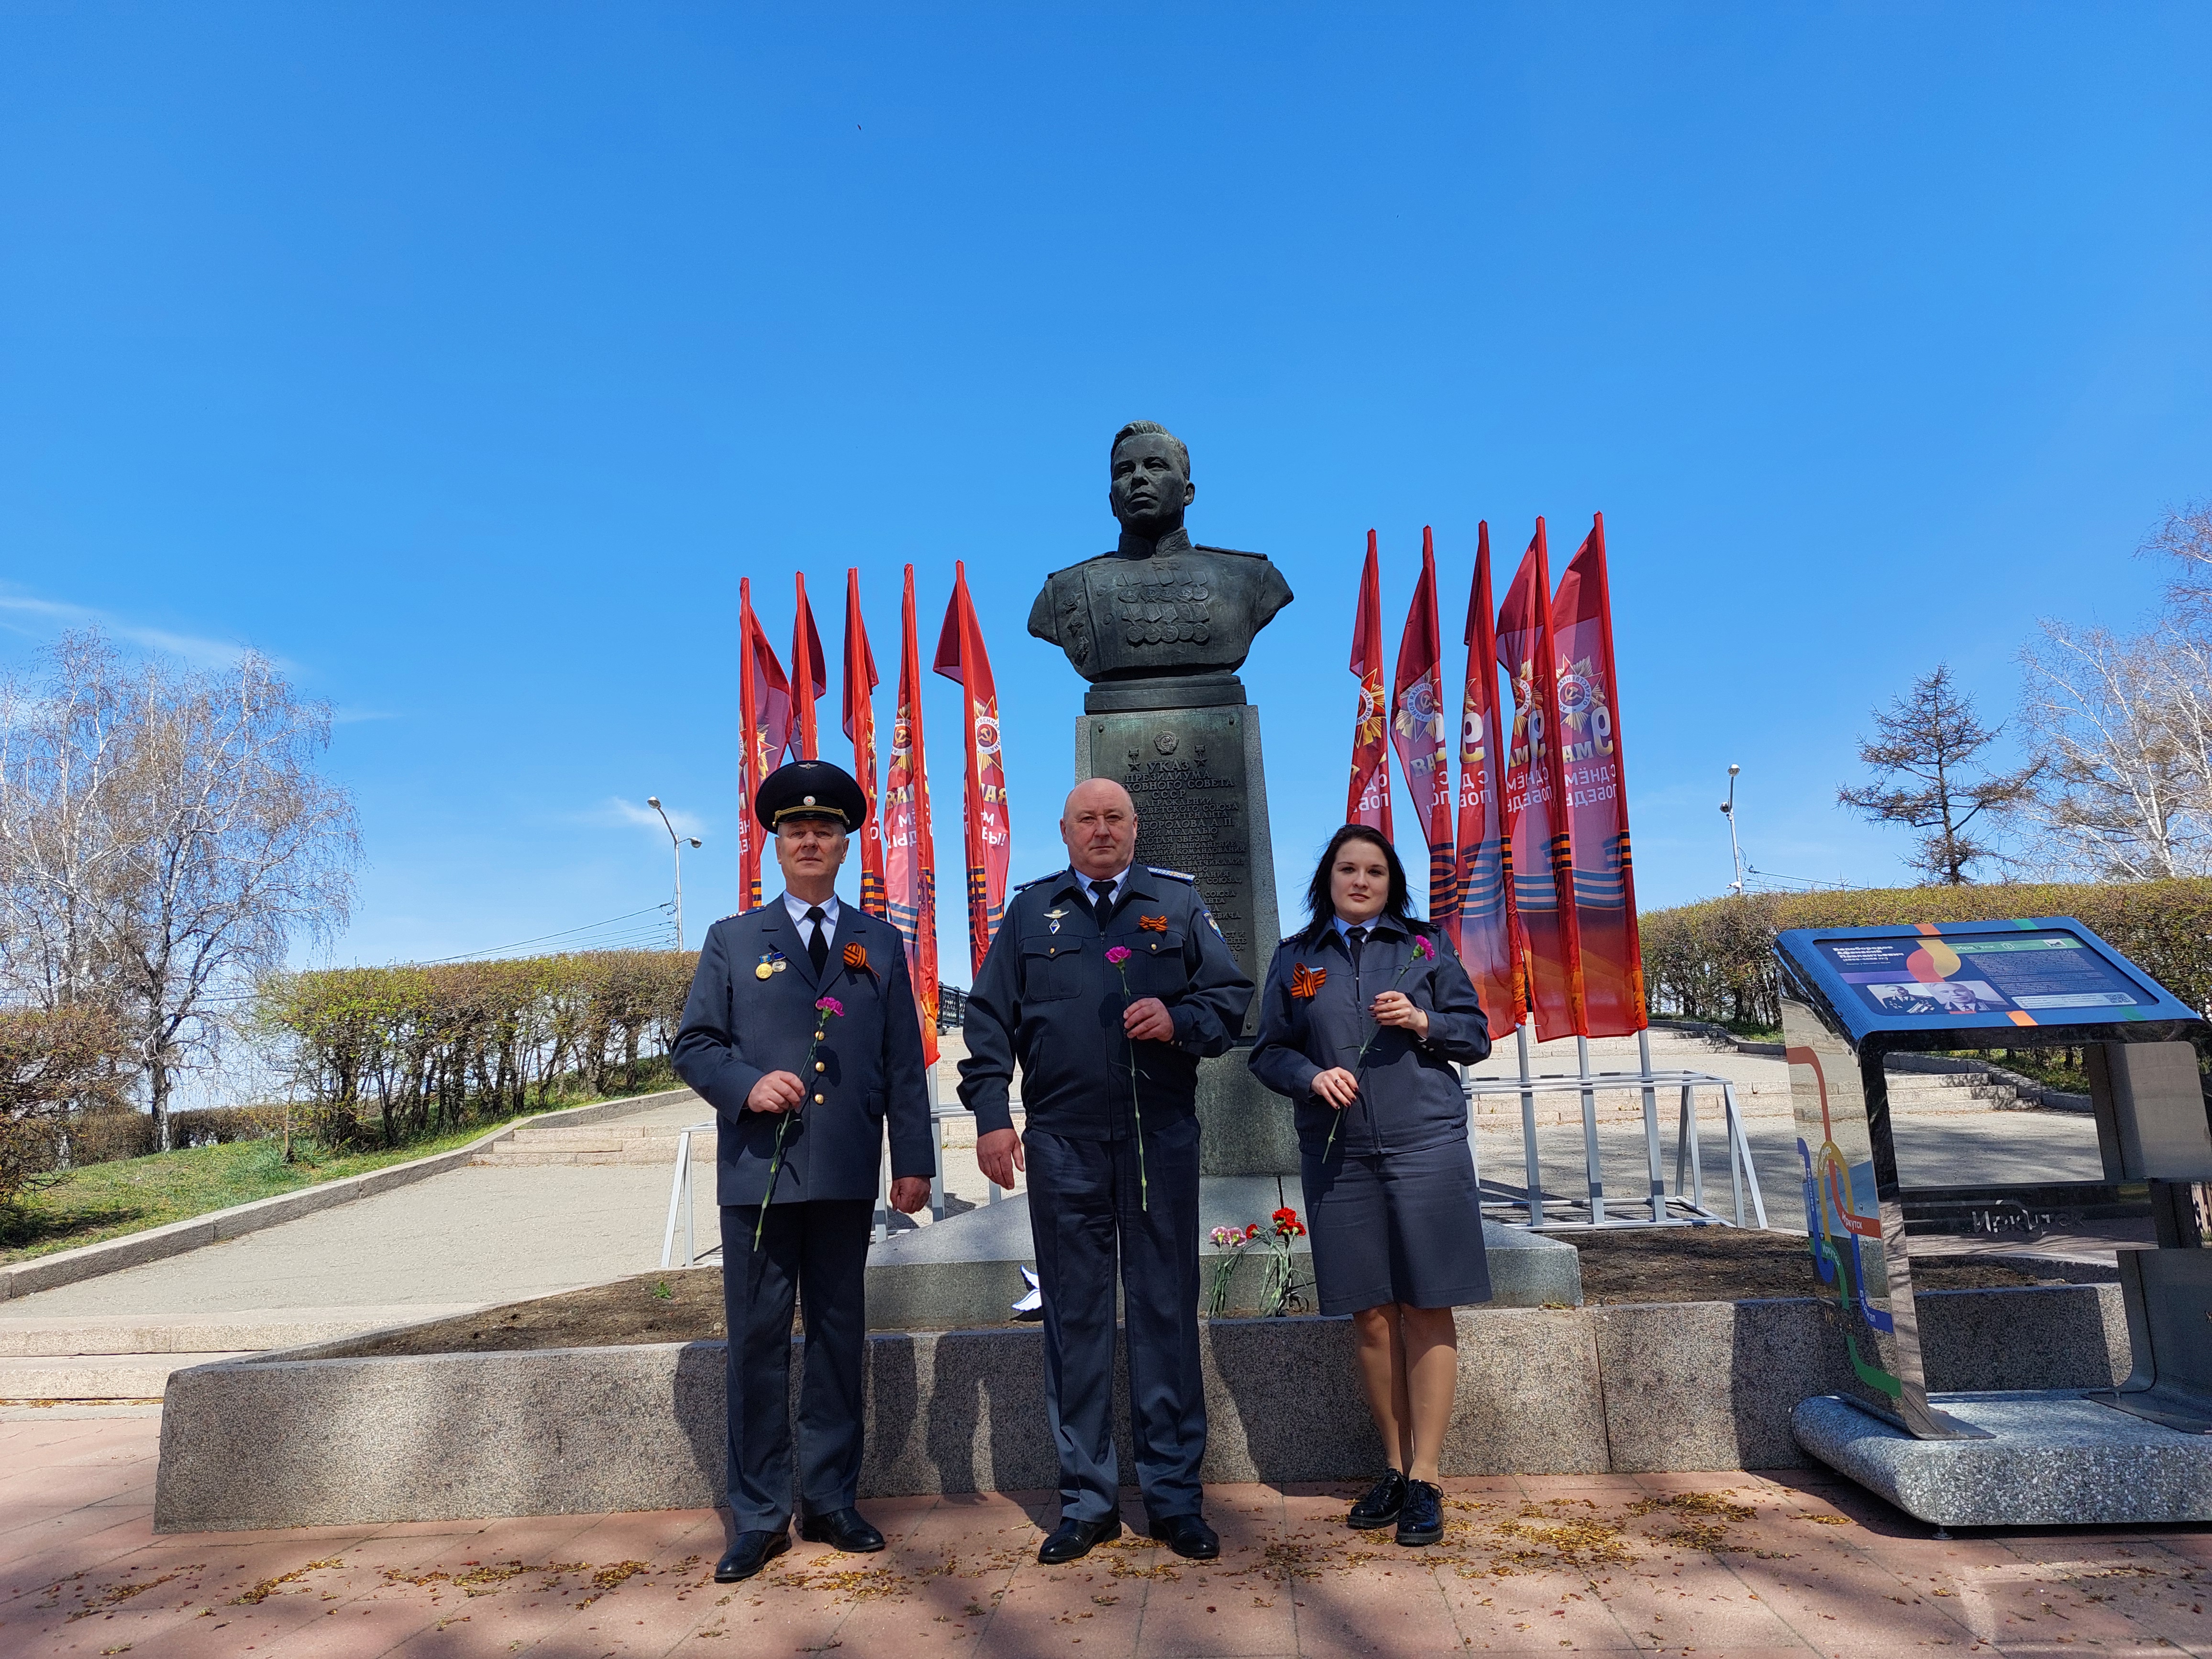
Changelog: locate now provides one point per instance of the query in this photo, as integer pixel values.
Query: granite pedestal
(2052, 1459)
(1188, 753)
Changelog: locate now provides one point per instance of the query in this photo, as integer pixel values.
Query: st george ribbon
(961, 658)
(910, 850)
(1535, 794)
(1417, 732)
(1596, 795)
(859, 690)
(1488, 933)
(1368, 799)
(764, 711)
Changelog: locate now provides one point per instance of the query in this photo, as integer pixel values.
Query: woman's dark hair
(1397, 905)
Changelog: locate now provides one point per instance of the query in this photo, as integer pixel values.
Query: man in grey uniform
(801, 1032)
(1105, 963)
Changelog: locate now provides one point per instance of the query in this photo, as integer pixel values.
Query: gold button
(821, 1065)
(817, 1036)
(818, 1100)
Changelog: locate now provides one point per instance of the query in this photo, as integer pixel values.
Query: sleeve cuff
(992, 1115)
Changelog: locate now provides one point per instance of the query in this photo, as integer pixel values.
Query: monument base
(1245, 1129)
(2053, 1459)
(966, 1269)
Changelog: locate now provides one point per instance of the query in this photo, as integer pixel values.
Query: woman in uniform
(1364, 1014)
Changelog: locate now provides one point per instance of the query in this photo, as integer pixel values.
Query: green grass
(106, 1200)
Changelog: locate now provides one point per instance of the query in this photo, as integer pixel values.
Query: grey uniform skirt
(1396, 1227)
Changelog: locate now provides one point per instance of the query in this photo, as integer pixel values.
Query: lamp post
(1728, 811)
(676, 844)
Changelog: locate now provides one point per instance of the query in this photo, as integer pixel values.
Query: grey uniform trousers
(1086, 1212)
(819, 1249)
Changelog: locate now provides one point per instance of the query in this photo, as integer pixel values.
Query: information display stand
(1851, 997)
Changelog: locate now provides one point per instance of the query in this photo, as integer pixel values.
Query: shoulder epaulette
(1173, 875)
(1040, 881)
(1204, 547)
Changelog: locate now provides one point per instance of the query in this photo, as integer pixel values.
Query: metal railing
(1678, 1208)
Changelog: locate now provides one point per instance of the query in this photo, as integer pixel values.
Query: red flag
(961, 657)
(1488, 934)
(1535, 818)
(910, 853)
(764, 710)
(1368, 801)
(1417, 731)
(860, 727)
(805, 687)
(1597, 797)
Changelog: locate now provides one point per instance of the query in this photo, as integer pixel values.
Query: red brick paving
(1732, 1564)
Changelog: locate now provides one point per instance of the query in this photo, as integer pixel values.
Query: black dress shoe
(1380, 1508)
(1422, 1520)
(1188, 1536)
(752, 1551)
(1070, 1540)
(845, 1529)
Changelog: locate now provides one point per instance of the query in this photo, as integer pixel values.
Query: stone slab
(248, 1444)
(158, 1244)
(248, 1331)
(98, 1376)
(1712, 1385)
(2053, 1459)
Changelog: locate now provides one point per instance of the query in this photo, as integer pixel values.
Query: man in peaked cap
(801, 1027)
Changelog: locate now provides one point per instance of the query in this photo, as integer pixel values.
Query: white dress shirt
(799, 908)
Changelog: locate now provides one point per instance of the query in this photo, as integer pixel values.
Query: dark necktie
(1355, 938)
(1101, 900)
(818, 948)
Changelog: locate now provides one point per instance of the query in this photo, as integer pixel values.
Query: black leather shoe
(844, 1529)
(752, 1551)
(1188, 1536)
(1422, 1520)
(1380, 1508)
(1073, 1539)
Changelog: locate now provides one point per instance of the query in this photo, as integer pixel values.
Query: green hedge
(1715, 960)
(429, 1048)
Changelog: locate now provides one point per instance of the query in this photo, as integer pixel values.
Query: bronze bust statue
(1158, 607)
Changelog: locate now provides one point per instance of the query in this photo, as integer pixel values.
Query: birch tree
(2123, 726)
(164, 837)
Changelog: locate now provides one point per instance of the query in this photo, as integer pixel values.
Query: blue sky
(464, 358)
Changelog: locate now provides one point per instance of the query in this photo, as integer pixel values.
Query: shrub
(388, 1054)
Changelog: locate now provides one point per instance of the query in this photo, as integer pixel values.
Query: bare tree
(200, 840)
(1931, 739)
(64, 756)
(2123, 726)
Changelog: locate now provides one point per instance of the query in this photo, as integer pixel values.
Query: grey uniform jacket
(1049, 998)
(737, 1027)
(1409, 1096)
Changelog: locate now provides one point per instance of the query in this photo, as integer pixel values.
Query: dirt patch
(1704, 1264)
(1729, 1264)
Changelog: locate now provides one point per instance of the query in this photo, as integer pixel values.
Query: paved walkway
(1730, 1563)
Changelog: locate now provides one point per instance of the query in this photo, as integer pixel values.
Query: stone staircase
(614, 1142)
(1923, 1094)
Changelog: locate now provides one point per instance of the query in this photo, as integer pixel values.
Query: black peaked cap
(810, 788)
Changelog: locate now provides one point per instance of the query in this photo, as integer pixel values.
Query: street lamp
(676, 844)
(1728, 811)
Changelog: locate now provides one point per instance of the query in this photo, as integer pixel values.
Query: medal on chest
(1055, 917)
(771, 962)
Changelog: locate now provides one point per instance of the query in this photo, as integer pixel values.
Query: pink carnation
(1118, 955)
(1423, 948)
(831, 1006)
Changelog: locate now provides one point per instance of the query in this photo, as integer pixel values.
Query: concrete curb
(578, 1430)
(45, 1272)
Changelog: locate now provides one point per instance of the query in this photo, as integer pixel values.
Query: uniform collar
(1136, 547)
(796, 908)
(1381, 927)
